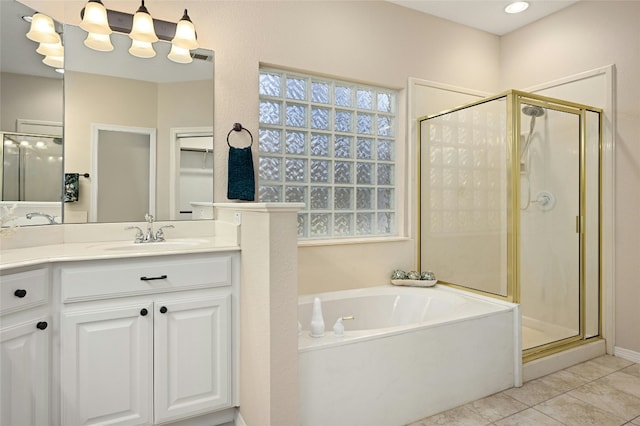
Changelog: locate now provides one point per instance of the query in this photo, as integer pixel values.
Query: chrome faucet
(51, 219)
(149, 236)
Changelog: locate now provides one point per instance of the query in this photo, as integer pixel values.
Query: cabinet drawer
(108, 279)
(24, 290)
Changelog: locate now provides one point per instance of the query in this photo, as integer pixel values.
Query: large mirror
(31, 117)
(138, 133)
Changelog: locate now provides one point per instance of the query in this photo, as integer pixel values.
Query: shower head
(533, 111)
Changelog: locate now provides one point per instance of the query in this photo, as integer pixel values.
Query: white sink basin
(178, 244)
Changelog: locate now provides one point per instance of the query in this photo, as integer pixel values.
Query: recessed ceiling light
(516, 7)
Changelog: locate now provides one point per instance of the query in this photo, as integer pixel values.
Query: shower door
(510, 206)
(549, 239)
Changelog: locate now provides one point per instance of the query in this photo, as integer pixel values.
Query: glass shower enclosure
(509, 191)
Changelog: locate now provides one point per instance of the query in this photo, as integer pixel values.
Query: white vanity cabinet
(25, 347)
(145, 341)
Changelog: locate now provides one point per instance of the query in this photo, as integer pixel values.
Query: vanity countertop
(81, 251)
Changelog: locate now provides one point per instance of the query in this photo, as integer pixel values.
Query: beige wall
(582, 37)
(30, 97)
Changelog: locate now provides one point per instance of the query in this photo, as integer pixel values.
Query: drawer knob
(161, 277)
(163, 310)
(143, 312)
(42, 325)
(20, 293)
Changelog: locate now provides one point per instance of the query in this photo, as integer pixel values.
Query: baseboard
(627, 354)
(239, 421)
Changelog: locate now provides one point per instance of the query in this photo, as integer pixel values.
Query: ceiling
(486, 15)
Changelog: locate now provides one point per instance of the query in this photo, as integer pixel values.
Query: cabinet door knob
(42, 325)
(20, 293)
(163, 310)
(143, 312)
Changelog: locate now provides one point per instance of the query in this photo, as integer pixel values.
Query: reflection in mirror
(119, 90)
(31, 111)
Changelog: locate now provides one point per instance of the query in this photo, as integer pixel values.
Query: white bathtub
(409, 353)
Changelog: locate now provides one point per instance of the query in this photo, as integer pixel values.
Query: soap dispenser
(317, 322)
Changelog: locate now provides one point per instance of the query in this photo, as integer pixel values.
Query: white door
(106, 368)
(192, 359)
(24, 362)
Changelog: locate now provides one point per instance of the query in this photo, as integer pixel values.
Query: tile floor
(601, 392)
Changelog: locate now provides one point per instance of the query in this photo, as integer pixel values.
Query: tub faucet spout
(51, 219)
(338, 327)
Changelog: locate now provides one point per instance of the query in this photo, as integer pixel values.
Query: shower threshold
(537, 333)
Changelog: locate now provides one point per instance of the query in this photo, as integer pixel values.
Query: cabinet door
(192, 356)
(24, 362)
(106, 368)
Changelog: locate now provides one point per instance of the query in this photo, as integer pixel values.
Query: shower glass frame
(514, 100)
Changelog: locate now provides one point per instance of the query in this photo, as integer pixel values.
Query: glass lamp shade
(185, 33)
(42, 29)
(95, 19)
(54, 61)
(99, 42)
(180, 55)
(142, 49)
(51, 49)
(142, 28)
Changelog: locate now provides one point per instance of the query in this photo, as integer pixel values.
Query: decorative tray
(415, 283)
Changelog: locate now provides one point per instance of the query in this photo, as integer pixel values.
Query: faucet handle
(139, 234)
(160, 234)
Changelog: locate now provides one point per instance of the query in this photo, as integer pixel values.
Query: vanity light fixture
(94, 18)
(42, 29)
(143, 31)
(185, 37)
(142, 28)
(516, 7)
(96, 23)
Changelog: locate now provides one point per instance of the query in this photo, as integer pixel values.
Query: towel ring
(237, 127)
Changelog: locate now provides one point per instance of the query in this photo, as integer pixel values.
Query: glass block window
(331, 145)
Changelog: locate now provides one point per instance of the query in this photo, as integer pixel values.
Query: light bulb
(95, 18)
(185, 33)
(42, 29)
(180, 55)
(142, 49)
(142, 29)
(54, 61)
(51, 49)
(99, 42)
(516, 7)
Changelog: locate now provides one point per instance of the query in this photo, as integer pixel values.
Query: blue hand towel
(241, 181)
